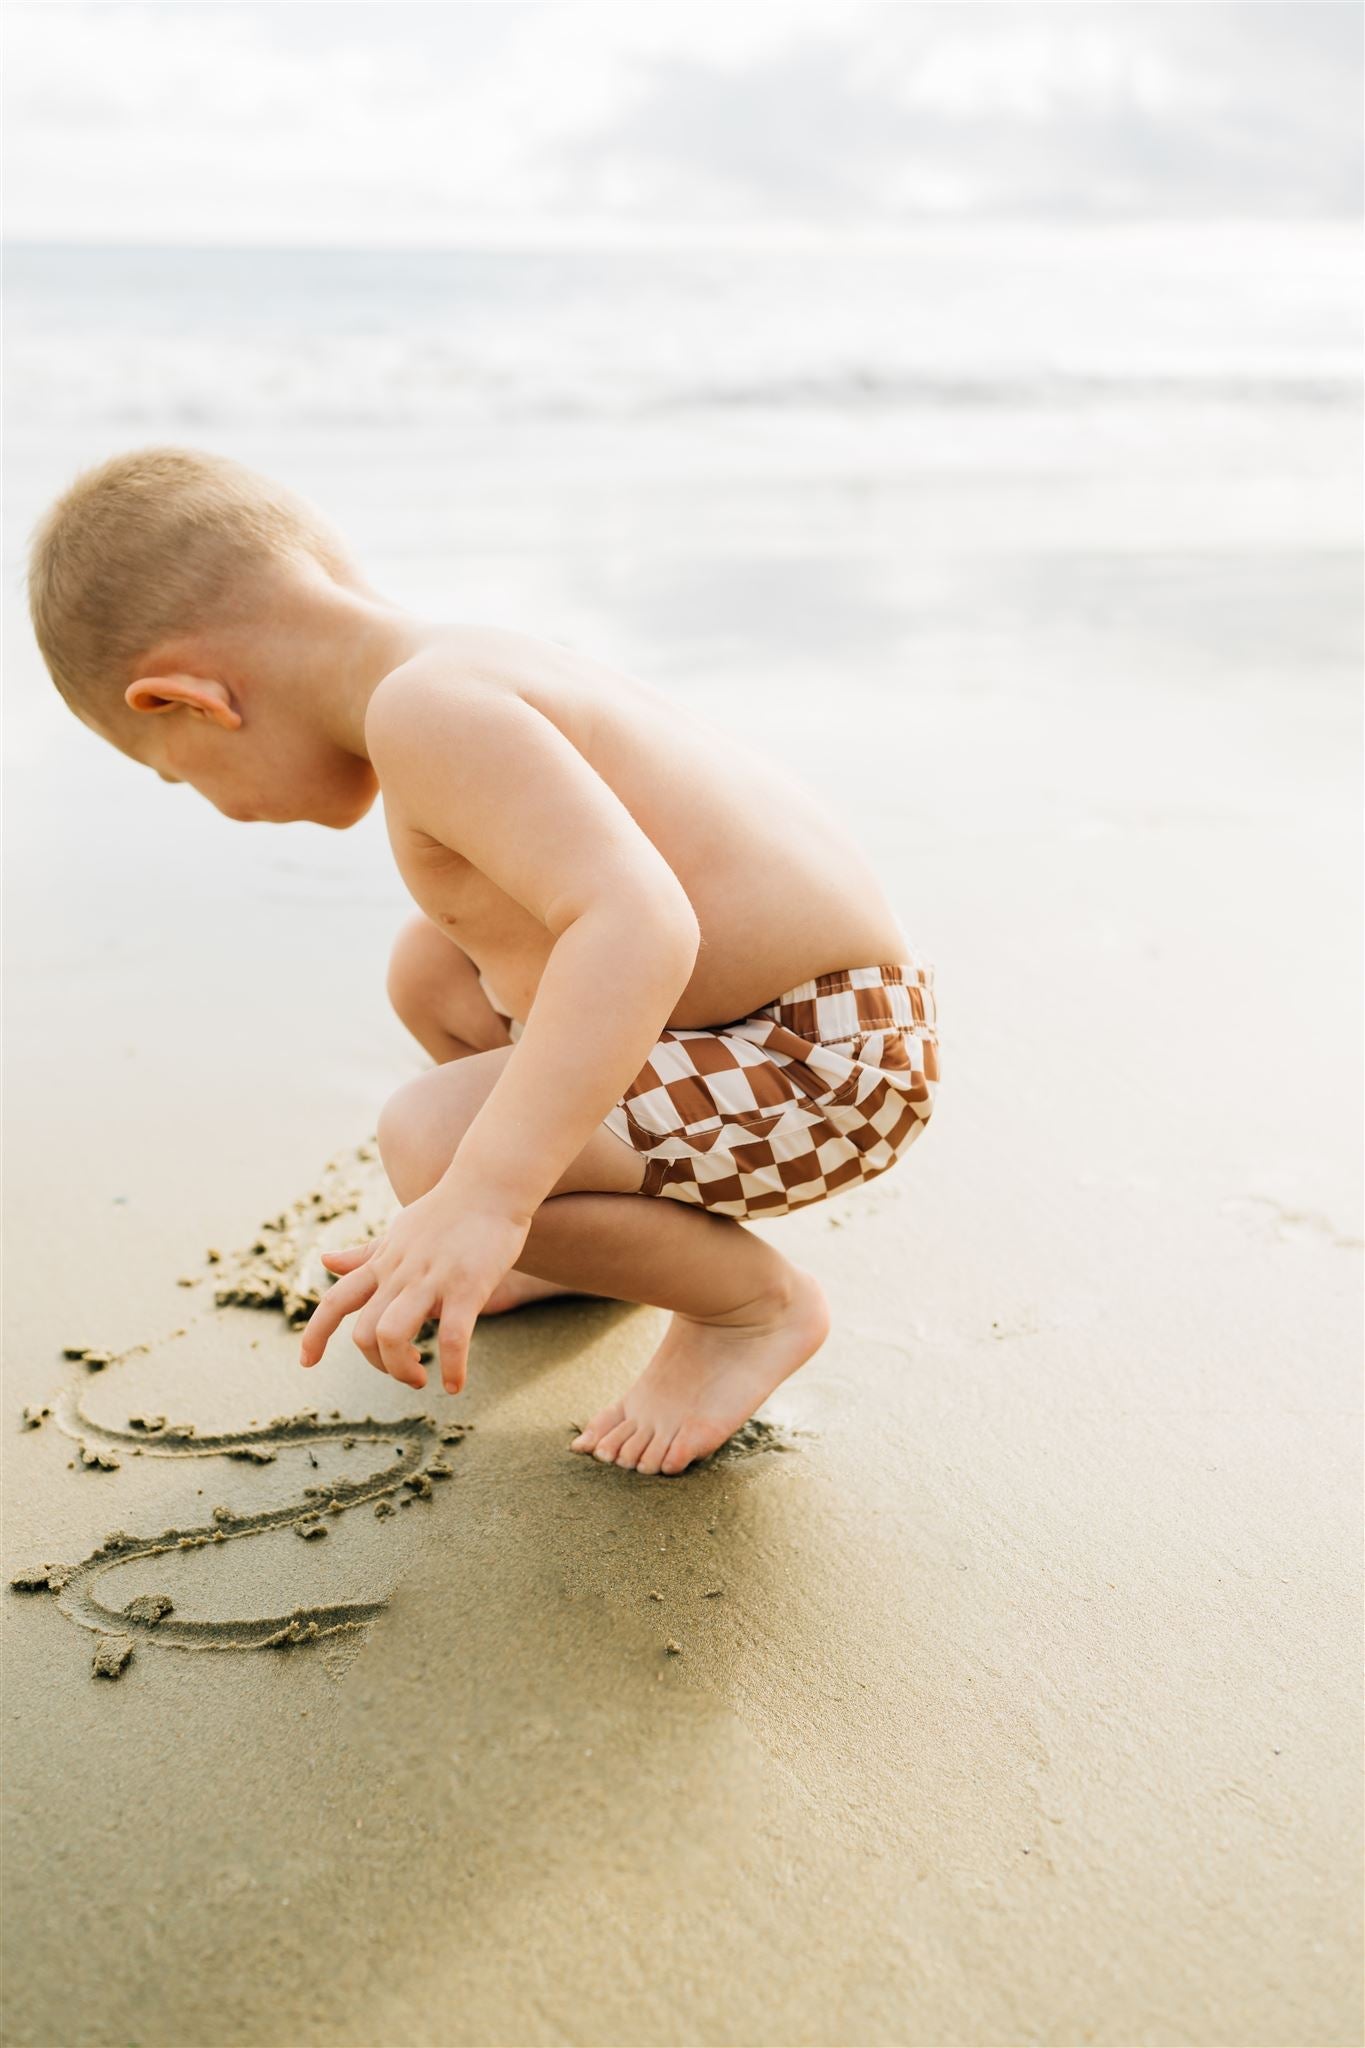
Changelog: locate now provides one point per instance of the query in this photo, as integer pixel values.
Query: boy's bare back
(780, 891)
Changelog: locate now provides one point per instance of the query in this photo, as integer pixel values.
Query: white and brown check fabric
(827, 1085)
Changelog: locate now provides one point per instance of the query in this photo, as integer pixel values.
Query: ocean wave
(1062, 388)
(958, 327)
(202, 390)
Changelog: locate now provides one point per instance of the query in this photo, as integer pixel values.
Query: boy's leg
(744, 1318)
(436, 993)
(423, 1123)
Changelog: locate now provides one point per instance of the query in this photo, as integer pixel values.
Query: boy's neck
(331, 649)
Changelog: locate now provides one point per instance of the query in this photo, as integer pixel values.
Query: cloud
(1071, 109)
(178, 122)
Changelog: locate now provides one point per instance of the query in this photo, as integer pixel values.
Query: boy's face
(256, 768)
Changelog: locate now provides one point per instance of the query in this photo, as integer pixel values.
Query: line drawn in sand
(281, 1269)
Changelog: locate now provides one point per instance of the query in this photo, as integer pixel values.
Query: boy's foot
(706, 1379)
(514, 1288)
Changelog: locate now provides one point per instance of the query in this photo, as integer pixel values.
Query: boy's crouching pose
(646, 963)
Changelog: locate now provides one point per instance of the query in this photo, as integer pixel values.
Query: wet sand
(1005, 1688)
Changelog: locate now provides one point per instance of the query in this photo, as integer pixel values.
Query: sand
(1003, 1687)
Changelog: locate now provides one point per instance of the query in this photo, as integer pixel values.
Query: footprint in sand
(1279, 1221)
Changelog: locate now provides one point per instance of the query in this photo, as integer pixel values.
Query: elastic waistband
(887, 974)
(851, 1002)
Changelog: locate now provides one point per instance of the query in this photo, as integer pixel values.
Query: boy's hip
(828, 1083)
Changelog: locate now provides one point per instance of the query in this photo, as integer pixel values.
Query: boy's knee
(436, 992)
(418, 965)
(404, 1143)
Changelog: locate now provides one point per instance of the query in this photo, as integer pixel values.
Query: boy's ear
(200, 693)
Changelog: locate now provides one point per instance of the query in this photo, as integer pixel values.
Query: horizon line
(674, 237)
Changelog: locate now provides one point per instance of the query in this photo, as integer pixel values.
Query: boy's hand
(440, 1257)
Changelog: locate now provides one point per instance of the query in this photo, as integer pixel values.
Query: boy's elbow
(679, 920)
(659, 920)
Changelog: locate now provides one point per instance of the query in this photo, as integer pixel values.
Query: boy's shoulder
(478, 744)
(469, 663)
(483, 703)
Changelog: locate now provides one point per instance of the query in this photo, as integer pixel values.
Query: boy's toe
(635, 1447)
(652, 1458)
(684, 1448)
(589, 1438)
(613, 1440)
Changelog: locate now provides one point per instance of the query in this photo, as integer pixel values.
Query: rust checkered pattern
(827, 1085)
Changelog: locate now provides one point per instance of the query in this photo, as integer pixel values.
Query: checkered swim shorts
(827, 1085)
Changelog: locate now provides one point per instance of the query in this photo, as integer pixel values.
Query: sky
(514, 122)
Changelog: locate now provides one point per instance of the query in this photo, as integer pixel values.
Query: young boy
(641, 965)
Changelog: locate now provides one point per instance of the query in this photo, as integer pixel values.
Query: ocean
(983, 462)
(937, 348)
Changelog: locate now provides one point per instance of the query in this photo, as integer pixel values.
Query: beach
(1003, 1686)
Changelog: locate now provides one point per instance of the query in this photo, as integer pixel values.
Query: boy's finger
(394, 1333)
(453, 1342)
(351, 1256)
(336, 1304)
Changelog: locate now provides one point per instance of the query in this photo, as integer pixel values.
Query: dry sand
(1014, 1695)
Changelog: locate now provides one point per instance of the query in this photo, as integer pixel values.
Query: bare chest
(475, 914)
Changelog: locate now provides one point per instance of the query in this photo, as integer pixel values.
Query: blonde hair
(153, 544)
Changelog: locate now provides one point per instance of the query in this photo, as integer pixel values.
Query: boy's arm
(483, 772)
